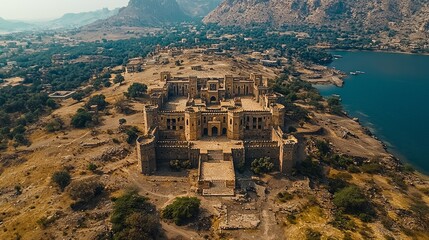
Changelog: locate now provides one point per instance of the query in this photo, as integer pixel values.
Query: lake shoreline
(386, 75)
(378, 51)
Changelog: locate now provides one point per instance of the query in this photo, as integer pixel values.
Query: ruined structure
(216, 124)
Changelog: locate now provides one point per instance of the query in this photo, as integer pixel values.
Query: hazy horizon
(51, 9)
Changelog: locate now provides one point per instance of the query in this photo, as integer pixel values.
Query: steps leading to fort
(218, 189)
(215, 155)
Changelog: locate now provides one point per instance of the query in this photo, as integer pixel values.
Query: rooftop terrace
(175, 104)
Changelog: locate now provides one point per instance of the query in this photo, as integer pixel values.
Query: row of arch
(215, 131)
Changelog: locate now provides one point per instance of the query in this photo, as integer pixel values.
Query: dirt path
(179, 232)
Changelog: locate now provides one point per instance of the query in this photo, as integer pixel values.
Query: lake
(391, 99)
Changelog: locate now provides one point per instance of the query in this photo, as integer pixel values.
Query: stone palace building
(216, 124)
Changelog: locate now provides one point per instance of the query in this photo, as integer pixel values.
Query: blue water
(391, 99)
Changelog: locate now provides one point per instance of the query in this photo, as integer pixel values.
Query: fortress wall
(288, 151)
(174, 150)
(238, 155)
(254, 150)
(172, 135)
(257, 134)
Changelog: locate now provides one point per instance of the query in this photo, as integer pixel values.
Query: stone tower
(278, 112)
(192, 124)
(150, 117)
(235, 124)
(146, 154)
(229, 86)
(192, 88)
(257, 83)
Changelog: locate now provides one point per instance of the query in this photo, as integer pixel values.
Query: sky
(50, 9)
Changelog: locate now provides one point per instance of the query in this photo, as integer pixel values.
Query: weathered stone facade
(188, 114)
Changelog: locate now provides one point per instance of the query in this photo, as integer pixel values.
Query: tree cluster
(136, 90)
(262, 165)
(134, 218)
(182, 210)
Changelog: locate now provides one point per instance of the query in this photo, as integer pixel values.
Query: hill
(142, 13)
(71, 20)
(12, 26)
(198, 8)
(347, 14)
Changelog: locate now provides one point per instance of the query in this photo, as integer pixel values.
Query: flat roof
(249, 103)
(179, 104)
(217, 143)
(175, 104)
(217, 171)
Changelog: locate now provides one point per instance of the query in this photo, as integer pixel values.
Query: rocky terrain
(407, 15)
(144, 13)
(198, 8)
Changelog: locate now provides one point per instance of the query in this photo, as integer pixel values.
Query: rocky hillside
(12, 26)
(351, 14)
(146, 13)
(71, 20)
(198, 8)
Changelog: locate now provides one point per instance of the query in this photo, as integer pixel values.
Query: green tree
(310, 168)
(84, 191)
(132, 134)
(122, 105)
(140, 226)
(136, 90)
(81, 119)
(335, 106)
(54, 125)
(122, 121)
(118, 79)
(134, 218)
(78, 96)
(323, 147)
(20, 139)
(62, 179)
(351, 200)
(51, 103)
(262, 165)
(182, 210)
(98, 100)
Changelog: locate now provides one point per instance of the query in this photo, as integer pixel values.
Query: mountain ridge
(83, 18)
(346, 14)
(11, 26)
(140, 13)
(198, 8)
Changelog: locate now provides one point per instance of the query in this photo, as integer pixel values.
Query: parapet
(151, 108)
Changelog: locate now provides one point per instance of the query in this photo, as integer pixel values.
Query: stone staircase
(218, 188)
(215, 155)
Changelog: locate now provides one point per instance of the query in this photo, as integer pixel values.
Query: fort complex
(216, 124)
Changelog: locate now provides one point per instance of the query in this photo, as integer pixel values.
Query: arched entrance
(213, 99)
(206, 132)
(215, 131)
(224, 131)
